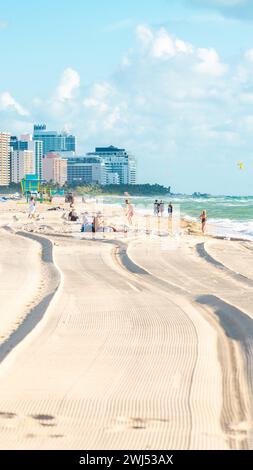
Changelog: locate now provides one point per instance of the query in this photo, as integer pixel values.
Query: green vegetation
(11, 189)
(94, 189)
(120, 189)
(136, 189)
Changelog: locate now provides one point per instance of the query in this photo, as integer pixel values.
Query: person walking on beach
(32, 208)
(161, 208)
(129, 211)
(156, 207)
(203, 220)
(170, 210)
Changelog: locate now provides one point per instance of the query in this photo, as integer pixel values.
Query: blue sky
(171, 80)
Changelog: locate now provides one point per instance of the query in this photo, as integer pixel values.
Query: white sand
(20, 273)
(149, 349)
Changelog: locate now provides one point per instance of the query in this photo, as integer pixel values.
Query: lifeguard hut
(30, 185)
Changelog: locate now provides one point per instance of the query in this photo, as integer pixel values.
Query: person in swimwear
(129, 211)
(203, 220)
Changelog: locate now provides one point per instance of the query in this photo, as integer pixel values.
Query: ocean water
(230, 216)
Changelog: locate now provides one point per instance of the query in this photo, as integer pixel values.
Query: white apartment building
(117, 161)
(4, 159)
(86, 170)
(22, 163)
(112, 178)
(55, 168)
(132, 170)
(25, 142)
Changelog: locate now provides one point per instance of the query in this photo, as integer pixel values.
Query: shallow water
(227, 215)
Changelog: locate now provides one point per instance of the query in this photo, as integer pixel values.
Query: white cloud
(144, 34)
(100, 92)
(70, 82)
(165, 46)
(105, 107)
(210, 62)
(8, 102)
(160, 44)
(112, 118)
(246, 98)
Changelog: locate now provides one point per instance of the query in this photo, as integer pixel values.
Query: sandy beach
(137, 339)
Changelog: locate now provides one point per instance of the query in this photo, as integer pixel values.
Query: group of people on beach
(159, 208)
(95, 222)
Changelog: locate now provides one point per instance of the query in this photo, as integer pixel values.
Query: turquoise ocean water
(227, 215)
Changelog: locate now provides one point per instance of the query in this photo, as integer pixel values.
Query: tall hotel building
(4, 159)
(119, 164)
(52, 141)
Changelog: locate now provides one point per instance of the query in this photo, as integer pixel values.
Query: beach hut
(30, 185)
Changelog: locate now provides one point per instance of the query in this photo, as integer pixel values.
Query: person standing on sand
(203, 220)
(161, 208)
(32, 208)
(156, 207)
(170, 210)
(129, 211)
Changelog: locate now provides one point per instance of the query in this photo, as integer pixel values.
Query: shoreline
(213, 228)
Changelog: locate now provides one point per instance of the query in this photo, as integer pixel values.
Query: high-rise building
(38, 156)
(4, 159)
(53, 141)
(86, 170)
(17, 165)
(132, 169)
(22, 163)
(117, 161)
(18, 144)
(70, 143)
(26, 143)
(55, 168)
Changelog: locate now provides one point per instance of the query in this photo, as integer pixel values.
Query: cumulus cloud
(7, 102)
(97, 99)
(210, 62)
(104, 106)
(70, 82)
(161, 44)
